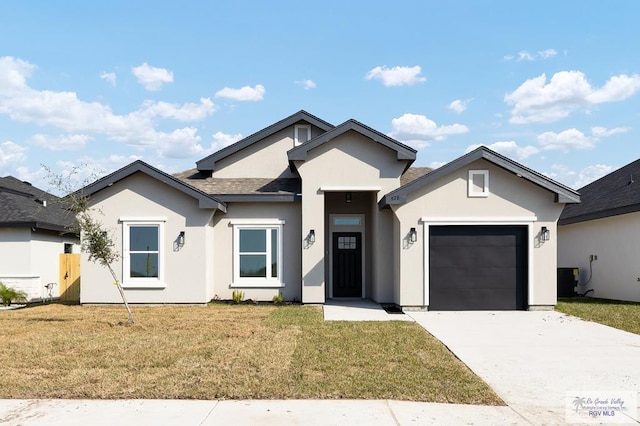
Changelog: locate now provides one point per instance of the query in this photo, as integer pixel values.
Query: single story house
(601, 235)
(35, 229)
(315, 211)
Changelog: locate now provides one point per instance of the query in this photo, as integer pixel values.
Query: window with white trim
(478, 183)
(258, 254)
(302, 133)
(142, 256)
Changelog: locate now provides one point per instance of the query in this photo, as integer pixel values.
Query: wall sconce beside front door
(545, 234)
(413, 235)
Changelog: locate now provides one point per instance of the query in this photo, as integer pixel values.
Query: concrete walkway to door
(532, 359)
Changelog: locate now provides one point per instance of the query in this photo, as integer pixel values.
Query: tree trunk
(124, 299)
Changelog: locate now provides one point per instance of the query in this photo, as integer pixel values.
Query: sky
(89, 87)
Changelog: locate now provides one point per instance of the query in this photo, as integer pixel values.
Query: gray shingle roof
(243, 189)
(614, 194)
(23, 205)
(414, 173)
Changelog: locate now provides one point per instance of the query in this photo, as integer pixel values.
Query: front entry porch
(360, 310)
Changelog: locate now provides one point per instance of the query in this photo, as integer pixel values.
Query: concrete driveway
(532, 359)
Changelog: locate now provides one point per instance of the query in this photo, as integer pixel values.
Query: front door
(347, 264)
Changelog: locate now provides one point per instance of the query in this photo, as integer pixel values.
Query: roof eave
(205, 201)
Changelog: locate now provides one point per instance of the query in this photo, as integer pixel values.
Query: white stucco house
(601, 236)
(34, 231)
(316, 212)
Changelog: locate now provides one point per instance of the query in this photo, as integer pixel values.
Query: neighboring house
(316, 211)
(605, 225)
(34, 231)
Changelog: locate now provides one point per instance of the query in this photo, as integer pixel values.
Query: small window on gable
(478, 183)
(68, 248)
(302, 133)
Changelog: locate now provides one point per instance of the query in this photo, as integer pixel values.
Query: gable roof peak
(208, 163)
(403, 152)
(563, 193)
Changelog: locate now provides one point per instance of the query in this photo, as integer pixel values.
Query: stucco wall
(292, 245)
(185, 270)
(616, 242)
(264, 159)
(350, 160)
(30, 259)
(510, 198)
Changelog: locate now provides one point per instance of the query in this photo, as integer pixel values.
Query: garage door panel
(482, 256)
(471, 278)
(477, 267)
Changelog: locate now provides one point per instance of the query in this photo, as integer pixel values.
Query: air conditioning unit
(568, 282)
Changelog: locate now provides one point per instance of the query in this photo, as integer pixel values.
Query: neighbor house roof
(614, 194)
(243, 189)
(204, 200)
(208, 163)
(563, 194)
(24, 205)
(403, 152)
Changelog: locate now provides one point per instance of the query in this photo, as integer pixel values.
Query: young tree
(95, 239)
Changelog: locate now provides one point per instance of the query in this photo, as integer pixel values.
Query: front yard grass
(225, 352)
(614, 313)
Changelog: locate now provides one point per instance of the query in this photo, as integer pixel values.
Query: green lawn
(224, 352)
(614, 313)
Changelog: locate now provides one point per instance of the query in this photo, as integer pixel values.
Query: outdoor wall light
(348, 197)
(413, 235)
(181, 239)
(312, 236)
(545, 233)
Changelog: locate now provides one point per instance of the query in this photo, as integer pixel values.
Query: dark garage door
(477, 267)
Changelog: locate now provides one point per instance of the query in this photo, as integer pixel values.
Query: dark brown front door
(347, 264)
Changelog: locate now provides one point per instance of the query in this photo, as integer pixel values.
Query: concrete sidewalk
(56, 412)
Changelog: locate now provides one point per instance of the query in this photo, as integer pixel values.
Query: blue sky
(553, 85)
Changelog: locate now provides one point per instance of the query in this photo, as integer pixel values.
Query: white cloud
(548, 53)
(509, 149)
(418, 130)
(538, 101)
(110, 77)
(459, 105)
(181, 143)
(61, 142)
(13, 75)
(11, 154)
(245, 93)
(64, 111)
(307, 84)
(437, 164)
(574, 139)
(396, 76)
(152, 78)
(578, 179)
(525, 55)
(187, 112)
